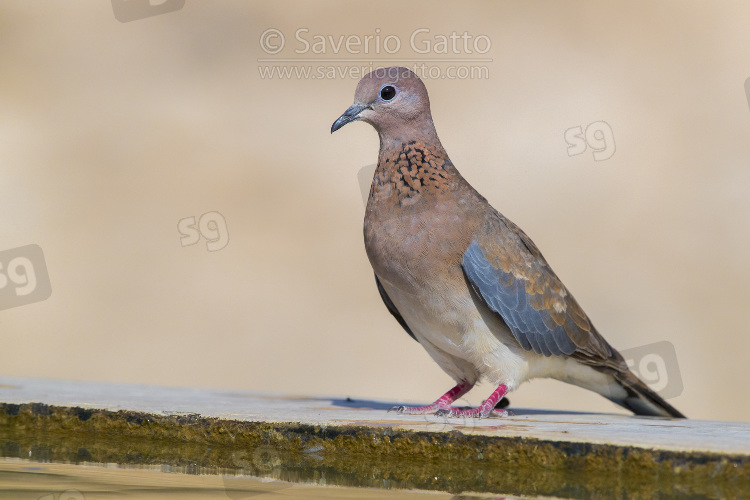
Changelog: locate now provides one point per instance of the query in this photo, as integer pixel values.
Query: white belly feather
(470, 347)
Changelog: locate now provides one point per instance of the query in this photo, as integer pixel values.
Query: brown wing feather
(547, 308)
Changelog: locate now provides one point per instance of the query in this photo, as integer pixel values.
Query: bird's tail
(640, 399)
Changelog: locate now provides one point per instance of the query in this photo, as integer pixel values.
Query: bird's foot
(485, 410)
(480, 411)
(418, 410)
(443, 401)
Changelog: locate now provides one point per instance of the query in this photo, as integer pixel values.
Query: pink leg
(486, 409)
(444, 402)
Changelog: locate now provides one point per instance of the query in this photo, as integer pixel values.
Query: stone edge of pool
(449, 460)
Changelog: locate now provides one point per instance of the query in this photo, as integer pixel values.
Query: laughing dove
(464, 281)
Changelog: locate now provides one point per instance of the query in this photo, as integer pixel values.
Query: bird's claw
(415, 410)
(478, 412)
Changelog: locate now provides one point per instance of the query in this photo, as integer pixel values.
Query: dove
(462, 279)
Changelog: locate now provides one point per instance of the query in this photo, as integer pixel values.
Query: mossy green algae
(369, 455)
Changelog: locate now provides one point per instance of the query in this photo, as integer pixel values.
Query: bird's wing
(392, 308)
(507, 270)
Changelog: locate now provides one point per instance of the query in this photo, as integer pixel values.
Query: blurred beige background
(111, 133)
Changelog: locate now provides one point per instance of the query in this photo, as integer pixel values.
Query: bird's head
(394, 101)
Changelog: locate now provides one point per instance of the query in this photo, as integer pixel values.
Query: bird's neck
(397, 134)
(392, 147)
(412, 170)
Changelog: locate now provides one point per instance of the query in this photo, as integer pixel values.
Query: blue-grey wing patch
(524, 306)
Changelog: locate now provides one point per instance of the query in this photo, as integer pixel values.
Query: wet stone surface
(357, 443)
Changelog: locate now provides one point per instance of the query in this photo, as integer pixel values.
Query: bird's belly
(450, 323)
(440, 317)
(420, 270)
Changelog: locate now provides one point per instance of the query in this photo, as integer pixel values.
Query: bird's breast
(417, 248)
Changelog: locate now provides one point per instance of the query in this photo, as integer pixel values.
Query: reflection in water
(29, 480)
(237, 472)
(60, 452)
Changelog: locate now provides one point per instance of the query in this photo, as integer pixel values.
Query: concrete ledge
(300, 438)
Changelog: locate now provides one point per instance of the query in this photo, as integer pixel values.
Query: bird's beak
(350, 115)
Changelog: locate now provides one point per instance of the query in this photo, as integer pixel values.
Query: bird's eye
(388, 92)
